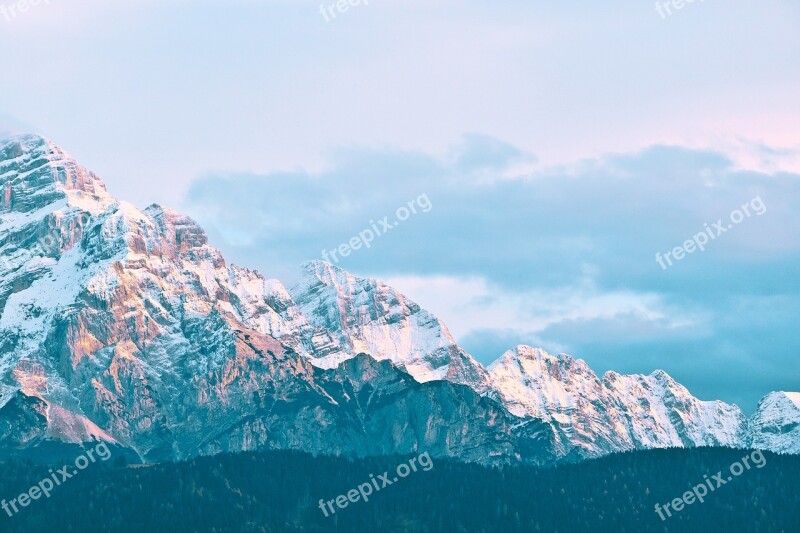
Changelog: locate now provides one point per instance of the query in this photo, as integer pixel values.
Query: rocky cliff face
(132, 323)
(126, 326)
(598, 416)
(370, 317)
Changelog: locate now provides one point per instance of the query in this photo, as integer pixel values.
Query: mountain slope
(370, 317)
(132, 323)
(125, 325)
(776, 423)
(616, 413)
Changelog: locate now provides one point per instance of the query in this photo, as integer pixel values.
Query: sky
(551, 150)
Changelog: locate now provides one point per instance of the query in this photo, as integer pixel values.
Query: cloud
(607, 217)
(150, 115)
(565, 256)
(268, 85)
(11, 126)
(485, 153)
(475, 304)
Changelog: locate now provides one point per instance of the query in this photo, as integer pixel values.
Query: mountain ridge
(129, 326)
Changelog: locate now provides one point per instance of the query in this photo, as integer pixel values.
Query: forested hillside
(281, 492)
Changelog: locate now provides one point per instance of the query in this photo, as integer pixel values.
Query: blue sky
(561, 145)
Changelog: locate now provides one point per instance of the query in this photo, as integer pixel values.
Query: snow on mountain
(47, 203)
(367, 316)
(129, 327)
(125, 325)
(616, 413)
(109, 313)
(565, 393)
(662, 413)
(776, 423)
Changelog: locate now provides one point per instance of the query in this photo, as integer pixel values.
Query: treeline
(280, 491)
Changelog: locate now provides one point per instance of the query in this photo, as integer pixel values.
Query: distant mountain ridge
(127, 326)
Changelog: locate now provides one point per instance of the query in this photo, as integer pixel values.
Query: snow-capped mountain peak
(794, 397)
(368, 316)
(776, 423)
(616, 413)
(36, 173)
(126, 325)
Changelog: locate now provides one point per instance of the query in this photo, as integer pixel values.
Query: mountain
(371, 317)
(127, 320)
(125, 325)
(776, 423)
(616, 413)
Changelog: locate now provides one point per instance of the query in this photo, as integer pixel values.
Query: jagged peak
(30, 146)
(24, 141)
(658, 376)
(35, 172)
(255, 282)
(185, 228)
(662, 377)
(316, 265)
(782, 397)
(523, 352)
(327, 273)
(167, 213)
(346, 283)
(794, 397)
(242, 271)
